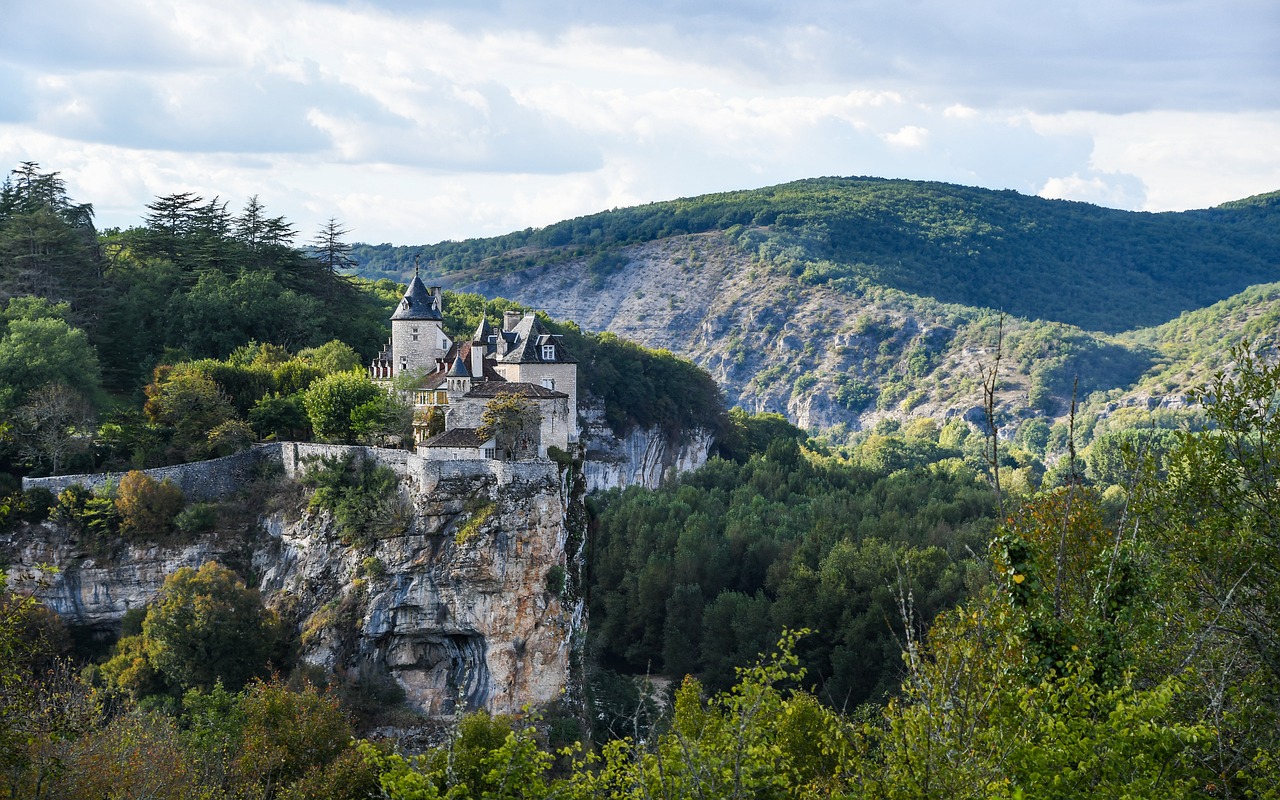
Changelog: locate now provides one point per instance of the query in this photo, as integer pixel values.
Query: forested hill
(1096, 268)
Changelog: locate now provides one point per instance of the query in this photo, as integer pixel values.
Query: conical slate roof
(417, 303)
(459, 370)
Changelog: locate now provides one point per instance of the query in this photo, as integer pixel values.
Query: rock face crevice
(461, 616)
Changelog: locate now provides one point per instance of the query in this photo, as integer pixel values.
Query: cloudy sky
(413, 122)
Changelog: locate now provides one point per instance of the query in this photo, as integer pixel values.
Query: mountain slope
(1097, 268)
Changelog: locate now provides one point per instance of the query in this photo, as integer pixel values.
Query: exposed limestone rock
(458, 614)
(644, 457)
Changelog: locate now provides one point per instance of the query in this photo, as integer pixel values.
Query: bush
(147, 507)
(361, 494)
(196, 518)
(87, 512)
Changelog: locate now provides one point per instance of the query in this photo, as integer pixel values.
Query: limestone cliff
(643, 457)
(466, 597)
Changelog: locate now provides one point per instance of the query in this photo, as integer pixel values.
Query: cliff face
(468, 598)
(644, 457)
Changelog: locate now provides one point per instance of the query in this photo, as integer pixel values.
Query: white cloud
(1112, 190)
(418, 123)
(907, 136)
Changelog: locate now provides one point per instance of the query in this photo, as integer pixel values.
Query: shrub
(556, 580)
(196, 518)
(147, 507)
(87, 512)
(360, 493)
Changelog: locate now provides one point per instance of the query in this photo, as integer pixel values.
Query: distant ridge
(1097, 268)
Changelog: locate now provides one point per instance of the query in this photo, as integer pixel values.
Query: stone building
(450, 384)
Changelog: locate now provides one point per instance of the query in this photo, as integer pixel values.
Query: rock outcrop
(467, 597)
(643, 457)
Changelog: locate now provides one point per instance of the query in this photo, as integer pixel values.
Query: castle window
(548, 352)
(549, 383)
(490, 452)
(415, 334)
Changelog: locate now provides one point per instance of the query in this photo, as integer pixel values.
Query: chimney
(477, 361)
(510, 319)
(437, 301)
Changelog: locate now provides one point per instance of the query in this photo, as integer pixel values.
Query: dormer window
(548, 352)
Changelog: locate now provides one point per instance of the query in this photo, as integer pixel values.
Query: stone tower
(418, 342)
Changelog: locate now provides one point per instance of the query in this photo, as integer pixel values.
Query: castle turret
(458, 376)
(418, 341)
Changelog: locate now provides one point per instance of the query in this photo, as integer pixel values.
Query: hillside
(1097, 268)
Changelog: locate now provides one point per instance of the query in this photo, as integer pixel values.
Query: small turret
(458, 376)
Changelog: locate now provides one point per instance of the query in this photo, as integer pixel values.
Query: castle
(522, 369)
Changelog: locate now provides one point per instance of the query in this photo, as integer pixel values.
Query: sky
(415, 122)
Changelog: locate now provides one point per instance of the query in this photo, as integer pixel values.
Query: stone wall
(198, 480)
(220, 477)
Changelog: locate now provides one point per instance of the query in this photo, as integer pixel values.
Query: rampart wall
(220, 477)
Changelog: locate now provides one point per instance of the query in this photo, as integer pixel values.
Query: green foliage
(196, 518)
(750, 434)
(512, 422)
(189, 405)
(334, 405)
(146, 507)
(43, 349)
(89, 513)
(332, 356)
(700, 575)
(205, 627)
(362, 495)
(1097, 268)
(486, 757)
(280, 417)
(469, 529)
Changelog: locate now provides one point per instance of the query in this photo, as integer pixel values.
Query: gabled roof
(529, 336)
(489, 389)
(417, 303)
(483, 331)
(458, 437)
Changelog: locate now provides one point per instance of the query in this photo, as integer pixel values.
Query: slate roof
(529, 336)
(459, 370)
(417, 303)
(489, 389)
(458, 437)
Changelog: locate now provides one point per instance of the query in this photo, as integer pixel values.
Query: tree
(190, 405)
(206, 626)
(278, 417)
(333, 356)
(512, 422)
(332, 404)
(40, 350)
(55, 423)
(329, 249)
(146, 506)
